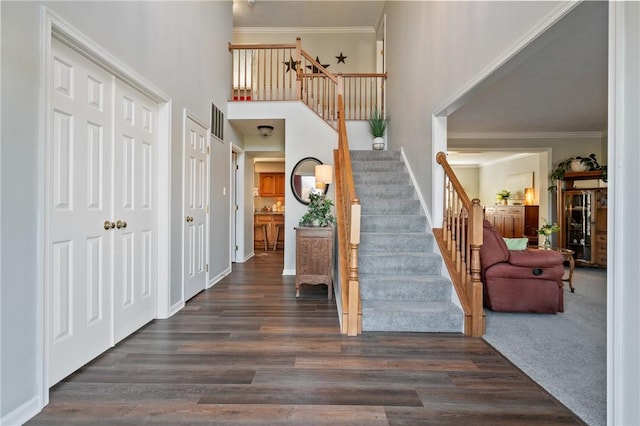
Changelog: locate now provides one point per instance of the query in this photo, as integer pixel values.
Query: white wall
(450, 43)
(306, 135)
(469, 177)
(181, 48)
(358, 47)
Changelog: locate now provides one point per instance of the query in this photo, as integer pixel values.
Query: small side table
(567, 255)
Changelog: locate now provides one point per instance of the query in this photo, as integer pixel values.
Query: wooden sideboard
(314, 257)
(515, 221)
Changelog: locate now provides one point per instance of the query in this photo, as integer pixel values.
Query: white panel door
(196, 190)
(134, 210)
(79, 198)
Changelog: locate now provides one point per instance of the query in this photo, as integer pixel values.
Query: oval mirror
(303, 179)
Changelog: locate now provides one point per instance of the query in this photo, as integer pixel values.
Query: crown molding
(527, 135)
(304, 30)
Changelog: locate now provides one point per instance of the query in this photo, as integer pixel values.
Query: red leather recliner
(520, 281)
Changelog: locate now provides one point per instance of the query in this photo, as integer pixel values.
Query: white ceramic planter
(378, 143)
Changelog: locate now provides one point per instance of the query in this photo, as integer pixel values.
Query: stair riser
(425, 322)
(387, 191)
(374, 178)
(405, 291)
(378, 166)
(375, 155)
(399, 264)
(394, 207)
(395, 243)
(393, 224)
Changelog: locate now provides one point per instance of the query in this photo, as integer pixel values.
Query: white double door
(101, 215)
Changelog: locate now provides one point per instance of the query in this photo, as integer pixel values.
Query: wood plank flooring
(246, 352)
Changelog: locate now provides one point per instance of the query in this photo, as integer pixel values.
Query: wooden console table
(314, 257)
(567, 255)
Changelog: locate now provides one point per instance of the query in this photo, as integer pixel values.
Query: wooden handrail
(348, 224)
(460, 240)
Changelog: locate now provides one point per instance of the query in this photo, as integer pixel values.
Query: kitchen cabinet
(272, 185)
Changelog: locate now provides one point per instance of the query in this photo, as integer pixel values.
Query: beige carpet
(564, 353)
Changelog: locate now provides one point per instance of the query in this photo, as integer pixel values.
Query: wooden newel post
(476, 218)
(354, 326)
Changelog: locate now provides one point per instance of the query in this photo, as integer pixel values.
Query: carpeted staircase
(401, 283)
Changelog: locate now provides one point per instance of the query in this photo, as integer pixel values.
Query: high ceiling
(556, 84)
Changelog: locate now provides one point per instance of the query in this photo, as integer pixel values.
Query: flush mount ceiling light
(265, 130)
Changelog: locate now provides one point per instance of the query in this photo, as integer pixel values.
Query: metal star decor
(316, 70)
(341, 58)
(291, 64)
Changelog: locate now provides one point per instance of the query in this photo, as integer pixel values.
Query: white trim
(23, 413)
(417, 189)
(439, 144)
(52, 26)
(288, 272)
(249, 256)
(527, 135)
(238, 192)
(186, 114)
(503, 64)
(176, 307)
(304, 30)
(623, 294)
(215, 280)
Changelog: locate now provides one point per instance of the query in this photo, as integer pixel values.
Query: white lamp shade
(324, 174)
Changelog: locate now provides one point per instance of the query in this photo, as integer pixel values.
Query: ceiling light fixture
(265, 130)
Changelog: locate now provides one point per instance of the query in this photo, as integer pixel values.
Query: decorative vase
(378, 143)
(505, 202)
(547, 242)
(578, 166)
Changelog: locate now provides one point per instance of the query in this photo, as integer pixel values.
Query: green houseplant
(378, 126)
(576, 164)
(319, 212)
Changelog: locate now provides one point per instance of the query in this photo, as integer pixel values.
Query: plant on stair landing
(377, 127)
(319, 212)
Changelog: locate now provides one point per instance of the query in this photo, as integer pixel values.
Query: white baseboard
(176, 308)
(289, 272)
(23, 413)
(218, 277)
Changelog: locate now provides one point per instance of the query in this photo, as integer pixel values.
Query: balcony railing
(285, 72)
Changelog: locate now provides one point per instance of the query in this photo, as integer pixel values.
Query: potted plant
(503, 196)
(546, 230)
(377, 127)
(576, 164)
(319, 212)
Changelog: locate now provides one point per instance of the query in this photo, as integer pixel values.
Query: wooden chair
(265, 239)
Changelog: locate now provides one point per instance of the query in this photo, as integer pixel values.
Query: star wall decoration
(291, 64)
(316, 70)
(341, 58)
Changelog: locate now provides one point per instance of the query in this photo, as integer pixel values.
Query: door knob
(189, 219)
(121, 224)
(108, 225)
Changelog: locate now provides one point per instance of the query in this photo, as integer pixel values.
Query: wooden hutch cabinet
(314, 257)
(582, 215)
(514, 221)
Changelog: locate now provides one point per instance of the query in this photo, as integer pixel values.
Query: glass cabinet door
(578, 223)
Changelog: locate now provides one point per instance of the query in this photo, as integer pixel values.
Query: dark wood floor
(247, 352)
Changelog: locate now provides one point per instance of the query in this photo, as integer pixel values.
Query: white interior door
(134, 209)
(80, 212)
(196, 200)
(234, 206)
